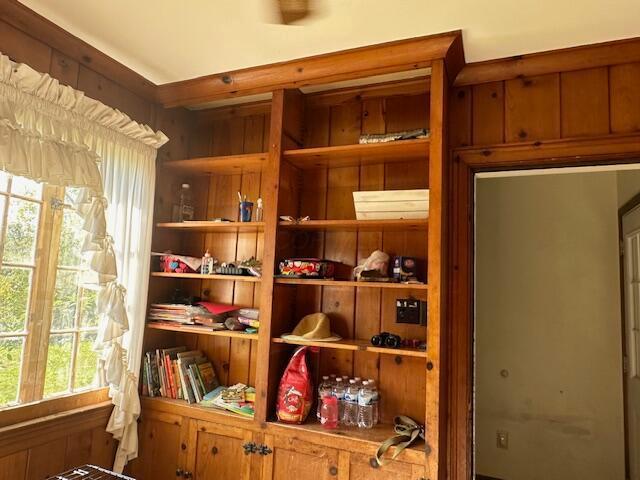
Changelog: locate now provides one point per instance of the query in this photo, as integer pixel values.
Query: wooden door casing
(219, 452)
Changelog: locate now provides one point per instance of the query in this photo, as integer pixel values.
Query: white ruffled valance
(53, 133)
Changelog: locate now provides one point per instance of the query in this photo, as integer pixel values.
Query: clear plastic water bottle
(186, 204)
(329, 412)
(365, 407)
(324, 389)
(338, 392)
(358, 381)
(375, 399)
(332, 379)
(350, 414)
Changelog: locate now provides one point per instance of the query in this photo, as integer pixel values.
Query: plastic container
(329, 412)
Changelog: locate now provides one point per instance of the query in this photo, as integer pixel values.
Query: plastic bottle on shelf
(365, 408)
(350, 414)
(375, 399)
(332, 380)
(338, 392)
(186, 209)
(324, 389)
(358, 381)
(205, 268)
(329, 412)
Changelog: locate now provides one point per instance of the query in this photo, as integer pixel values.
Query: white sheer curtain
(53, 133)
(129, 185)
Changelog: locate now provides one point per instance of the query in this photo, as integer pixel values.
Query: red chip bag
(295, 394)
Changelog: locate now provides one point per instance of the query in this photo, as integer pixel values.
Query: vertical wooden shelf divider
(435, 416)
(270, 198)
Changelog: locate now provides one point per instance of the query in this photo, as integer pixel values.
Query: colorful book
(208, 378)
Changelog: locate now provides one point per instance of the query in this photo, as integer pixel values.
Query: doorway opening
(556, 324)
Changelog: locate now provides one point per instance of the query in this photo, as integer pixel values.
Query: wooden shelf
(357, 345)
(375, 435)
(200, 330)
(350, 283)
(213, 227)
(176, 406)
(199, 276)
(359, 154)
(223, 165)
(358, 225)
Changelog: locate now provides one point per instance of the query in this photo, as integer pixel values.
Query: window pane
(58, 371)
(22, 228)
(14, 296)
(10, 360)
(26, 188)
(70, 239)
(88, 315)
(70, 195)
(86, 362)
(65, 299)
(4, 181)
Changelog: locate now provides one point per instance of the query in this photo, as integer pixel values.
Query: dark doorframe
(465, 163)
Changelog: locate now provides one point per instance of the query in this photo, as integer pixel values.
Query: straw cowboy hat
(315, 327)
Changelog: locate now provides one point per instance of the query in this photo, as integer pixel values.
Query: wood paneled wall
(37, 449)
(590, 102)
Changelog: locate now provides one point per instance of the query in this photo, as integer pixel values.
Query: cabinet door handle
(214, 450)
(374, 463)
(333, 471)
(264, 450)
(249, 448)
(179, 472)
(187, 475)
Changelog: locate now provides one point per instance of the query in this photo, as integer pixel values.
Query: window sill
(45, 408)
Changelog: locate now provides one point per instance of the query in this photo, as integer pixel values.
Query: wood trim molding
(55, 406)
(28, 21)
(554, 61)
(604, 149)
(42, 430)
(402, 55)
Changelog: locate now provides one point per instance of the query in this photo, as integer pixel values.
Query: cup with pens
(245, 208)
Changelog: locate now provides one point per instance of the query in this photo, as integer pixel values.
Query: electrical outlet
(502, 439)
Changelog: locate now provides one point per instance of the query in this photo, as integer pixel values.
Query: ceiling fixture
(293, 10)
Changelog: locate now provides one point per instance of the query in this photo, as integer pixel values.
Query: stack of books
(169, 312)
(178, 373)
(238, 399)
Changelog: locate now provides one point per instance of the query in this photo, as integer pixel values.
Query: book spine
(170, 381)
(176, 376)
(194, 385)
(161, 378)
(144, 384)
(200, 380)
(186, 386)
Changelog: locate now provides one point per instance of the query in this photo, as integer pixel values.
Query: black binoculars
(386, 339)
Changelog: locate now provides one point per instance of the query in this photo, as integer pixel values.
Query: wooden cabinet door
(220, 453)
(363, 467)
(161, 447)
(293, 458)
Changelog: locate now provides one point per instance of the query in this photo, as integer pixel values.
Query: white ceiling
(170, 40)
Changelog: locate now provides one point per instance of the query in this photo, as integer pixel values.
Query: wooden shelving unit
(357, 346)
(350, 283)
(199, 276)
(358, 154)
(212, 227)
(311, 163)
(200, 330)
(221, 165)
(357, 225)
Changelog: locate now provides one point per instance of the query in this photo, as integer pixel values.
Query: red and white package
(295, 394)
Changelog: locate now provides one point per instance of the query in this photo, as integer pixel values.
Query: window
(48, 323)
